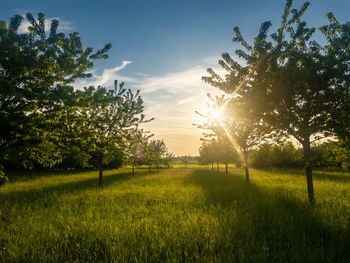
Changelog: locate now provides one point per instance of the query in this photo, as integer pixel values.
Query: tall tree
(36, 72)
(298, 86)
(110, 116)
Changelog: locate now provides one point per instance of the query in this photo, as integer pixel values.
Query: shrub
(3, 178)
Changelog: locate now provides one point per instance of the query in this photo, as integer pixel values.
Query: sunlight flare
(234, 144)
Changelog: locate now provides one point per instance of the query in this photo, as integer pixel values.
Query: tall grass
(186, 215)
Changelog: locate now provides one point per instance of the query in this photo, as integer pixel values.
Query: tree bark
(226, 169)
(133, 169)
(212, 166)
(247, 179)
(308, 170)
(217, 166)
(100, 169)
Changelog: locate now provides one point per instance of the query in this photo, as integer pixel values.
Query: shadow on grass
(269, 226)
(334, 175)
(45, 193)
(25, 175)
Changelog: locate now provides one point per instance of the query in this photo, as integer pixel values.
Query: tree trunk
(226, 169)
(247, 180)
(100, 169)
(212, 167)
(133, 169)
(149, 168)
(308, 170)
(217, 166)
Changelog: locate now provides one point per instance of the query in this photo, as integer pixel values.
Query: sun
(216, 115)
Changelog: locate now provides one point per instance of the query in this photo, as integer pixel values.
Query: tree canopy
(294, 84)
(37, 70)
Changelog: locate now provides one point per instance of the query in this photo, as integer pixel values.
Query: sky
(164, 47)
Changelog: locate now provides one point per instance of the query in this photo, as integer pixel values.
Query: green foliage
(218, 151)
(291, 83)
(107, 120)
(137, 147)
(339, 153)
(36, 73)
(237, 131)
(325, 155)
(3, 178)
(277, 155)
(157, 153)
(176, 215)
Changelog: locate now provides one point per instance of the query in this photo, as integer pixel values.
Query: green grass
(177, 215)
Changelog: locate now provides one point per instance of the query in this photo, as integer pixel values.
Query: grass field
(176, 215)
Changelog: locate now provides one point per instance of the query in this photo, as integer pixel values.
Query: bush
(325, 154)
(3, 178)
(272, 155)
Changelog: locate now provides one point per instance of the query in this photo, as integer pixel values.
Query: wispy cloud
(64, 26)
(170, 98)
(186, 100)
(107, 77)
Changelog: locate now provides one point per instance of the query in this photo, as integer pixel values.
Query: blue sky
(163, 47)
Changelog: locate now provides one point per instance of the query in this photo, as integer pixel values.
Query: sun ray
(234, 144)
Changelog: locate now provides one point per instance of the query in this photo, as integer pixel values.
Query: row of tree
(286, 154)
(143, 151)
(286, 84)
(45, 122)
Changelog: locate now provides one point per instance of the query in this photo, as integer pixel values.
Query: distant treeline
(327, 154)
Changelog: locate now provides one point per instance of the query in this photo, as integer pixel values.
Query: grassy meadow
(176, 215)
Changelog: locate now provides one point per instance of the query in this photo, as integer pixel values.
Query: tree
(156, 153)
(136, 147)
(276, 155)
(238, 128)
(340, 151)
(36, 72)
(184, 160)
(207, 154)
(299, 86)
(226, 152)
(218, 150)
(110, 117)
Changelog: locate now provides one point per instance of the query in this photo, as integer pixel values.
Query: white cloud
(186, 100)
(109, 75)
(63, 26)
(106, 78)
(174, 83)
(170, 98)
